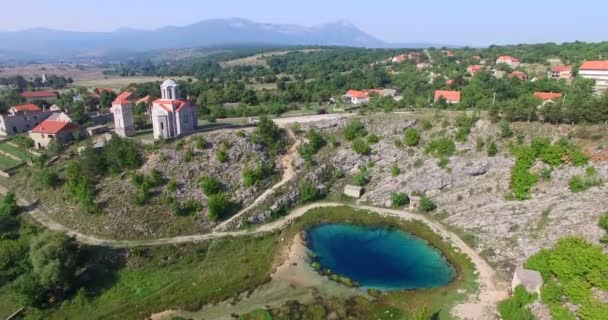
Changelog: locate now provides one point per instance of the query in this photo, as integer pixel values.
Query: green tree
(354, 129)
(210, 185)
(54, 261)
(308, 192)
(220, 206)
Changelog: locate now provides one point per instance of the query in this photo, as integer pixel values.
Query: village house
(476, 57)
(353, 191)
(49, 130)
(598, 71)
(448, 53)
(414, 56)
(449, 82)
(474, 68)
(122, 108)
(398, 59)
(508, 60)
(171, 115)
(31, 96)
(560, 72)
(357, 97)
(547, 96)
(448, 95)
(519, 74)
(422, 66)
(21, 118)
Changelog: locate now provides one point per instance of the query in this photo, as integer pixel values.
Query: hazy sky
(458, 22)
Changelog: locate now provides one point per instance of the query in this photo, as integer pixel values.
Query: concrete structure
(448, 95)
(508, 60)
(122, 109)
(531, 280)
(21, 118)
(560, 72)
(55, 108)
(353, 191)
(414, 203)
(171, 115)
(48, 96)
(49, 130)
(598, 71)
(59, 116)
(102, 128)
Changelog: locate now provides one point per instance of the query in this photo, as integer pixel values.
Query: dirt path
(289, 173)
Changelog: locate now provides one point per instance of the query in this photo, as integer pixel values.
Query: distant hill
(47, 43)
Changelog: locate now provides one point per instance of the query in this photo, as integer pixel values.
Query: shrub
(155, 178)
(412, 137)
(240, 134)
(308, 192)
(426, 204)
(604, 222)
(49, 178)
(143, 194)
(505, 130)
(189, 155)
(399, 199)
(210, 185)
(222, 154)
(492, 148)
(514, 308)
(361, 147)
(464, 124)
(426, 125)
(172, 186)
(479, 143)
(23, 141)
(200, 142)
(583, 183)
(395, 170)
(353, 130)
(373, 138)
(362, 178)
(219, 206)
(440, 148)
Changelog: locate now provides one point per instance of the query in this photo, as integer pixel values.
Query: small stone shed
(353, 191)
(531, 280)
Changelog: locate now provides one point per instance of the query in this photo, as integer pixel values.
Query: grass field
(18, 152)
(119, 82)
(8, 163)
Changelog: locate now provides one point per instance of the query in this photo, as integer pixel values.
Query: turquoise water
(378, 257)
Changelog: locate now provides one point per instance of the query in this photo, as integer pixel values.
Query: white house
(356, 97)
(508, 60)
(171, 115)
(122, 108)
(598, 71)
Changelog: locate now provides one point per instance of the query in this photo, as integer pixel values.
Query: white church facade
(171, 115)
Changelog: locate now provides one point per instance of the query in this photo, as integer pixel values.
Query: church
(171, 115)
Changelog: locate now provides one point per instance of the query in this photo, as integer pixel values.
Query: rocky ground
(122, 218)
(470, 194)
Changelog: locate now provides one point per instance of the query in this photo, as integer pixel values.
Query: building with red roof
(49, 130)
(22, 118)
(449, 82)
(560, 72)
(448, 53)
(598, 71)
(171, 115)
(476, 57)
(122, 109)
(24, 108)
(474, 68)
(398, 59)
(519, 74)
(449, 96)
(547, 96)
(30, 96)
(508, 60)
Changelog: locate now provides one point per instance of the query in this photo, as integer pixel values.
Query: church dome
(168, 83)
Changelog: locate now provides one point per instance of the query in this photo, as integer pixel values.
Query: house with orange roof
(547, 96)
(413, 56)
(49, 130)
(172, 116)
(508, 60)
(598, 71)
(449, 96)
(398, 59)
(519, 74)
(21, 118)
(474, 68)
(448, 53)
(560, 72)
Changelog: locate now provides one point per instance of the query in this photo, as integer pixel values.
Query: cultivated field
(258, 59)
(117, 82)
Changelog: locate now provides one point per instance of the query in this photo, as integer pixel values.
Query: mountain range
(49, 43)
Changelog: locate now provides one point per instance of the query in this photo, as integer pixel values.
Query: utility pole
(494, 99)
(564, 101)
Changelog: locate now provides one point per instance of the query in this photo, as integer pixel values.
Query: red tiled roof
(27, 107)
(39, 94)
(54, 127)
(476, 57)
(518, 74)
(547, 95)
(178, 104)
(100, 90)
(447, 95)
(145, 99)
(400, 58)
(474, 68)
(507, 58)
(561, 68)
(357, 94)
(449, 82)
(594, 65)
(122, 98)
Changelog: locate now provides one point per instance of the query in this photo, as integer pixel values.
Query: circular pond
(379, 258)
